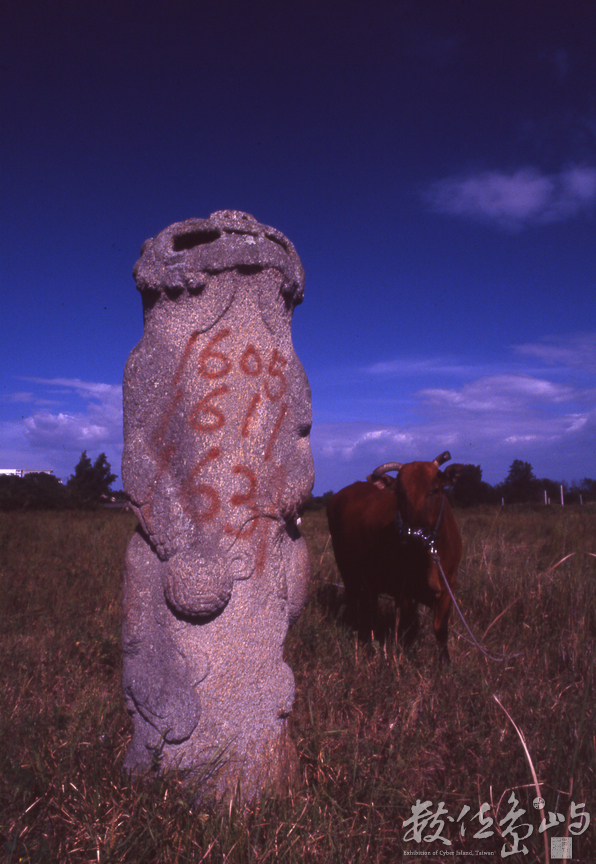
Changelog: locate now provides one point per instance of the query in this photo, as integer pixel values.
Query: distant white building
(20, 472)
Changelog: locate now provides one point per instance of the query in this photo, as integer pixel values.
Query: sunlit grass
(375, 730)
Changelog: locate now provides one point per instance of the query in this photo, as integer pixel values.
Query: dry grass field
(376, 731)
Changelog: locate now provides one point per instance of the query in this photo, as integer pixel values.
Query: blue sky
(434, 163)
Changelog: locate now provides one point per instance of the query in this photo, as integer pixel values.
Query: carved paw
(200, 586)
(163, 689)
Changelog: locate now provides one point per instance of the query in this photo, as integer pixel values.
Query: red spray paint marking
(192, 491)
(185, 355)
(247, 417)
(250, 362)
(245, 531)
(205, 406)
(275, 433)
(274, 493)
(162, 428)
(206, 416)
(237, 500)
(208, 353)
(163, 454)
(277, 363)
(246, 497)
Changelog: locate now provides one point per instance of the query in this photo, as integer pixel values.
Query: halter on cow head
(418, 488)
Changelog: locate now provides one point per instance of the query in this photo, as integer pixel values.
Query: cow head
(418, 487)
(382, 481)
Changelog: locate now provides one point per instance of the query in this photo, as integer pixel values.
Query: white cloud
(502, 410)
(21, 396)
(421, 366)
(482, 419)
(514, 200)
(55, 439)
(46, 429)
(349, 441)
(544, 417)
(498, 393)
(577, 351)
(99, 423)
(26, 397)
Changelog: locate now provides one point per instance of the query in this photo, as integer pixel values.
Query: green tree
(35, 491)
(318, 502)
(470, 489)
(588, 489)
(90, 481)
(520, 485)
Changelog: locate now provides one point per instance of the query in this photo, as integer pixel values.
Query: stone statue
(217, 464)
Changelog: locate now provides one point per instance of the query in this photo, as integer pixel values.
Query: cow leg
(442, 608)
(408, 622)
(366, 615)
(359, 611)
(356, 608)
(351, 597)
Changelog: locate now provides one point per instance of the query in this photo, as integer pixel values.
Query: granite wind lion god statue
(217, 464)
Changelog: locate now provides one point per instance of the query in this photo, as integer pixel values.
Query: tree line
(521, 486)
(88, 488)
(90, 485)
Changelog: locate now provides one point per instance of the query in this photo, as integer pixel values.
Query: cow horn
(387, 466)
(444, 457)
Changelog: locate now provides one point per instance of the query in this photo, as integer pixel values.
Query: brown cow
(387, 534)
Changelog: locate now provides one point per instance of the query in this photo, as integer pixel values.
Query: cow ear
(381, 482)
(451, 474)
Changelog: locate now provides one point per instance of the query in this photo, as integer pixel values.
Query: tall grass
(376, 730)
